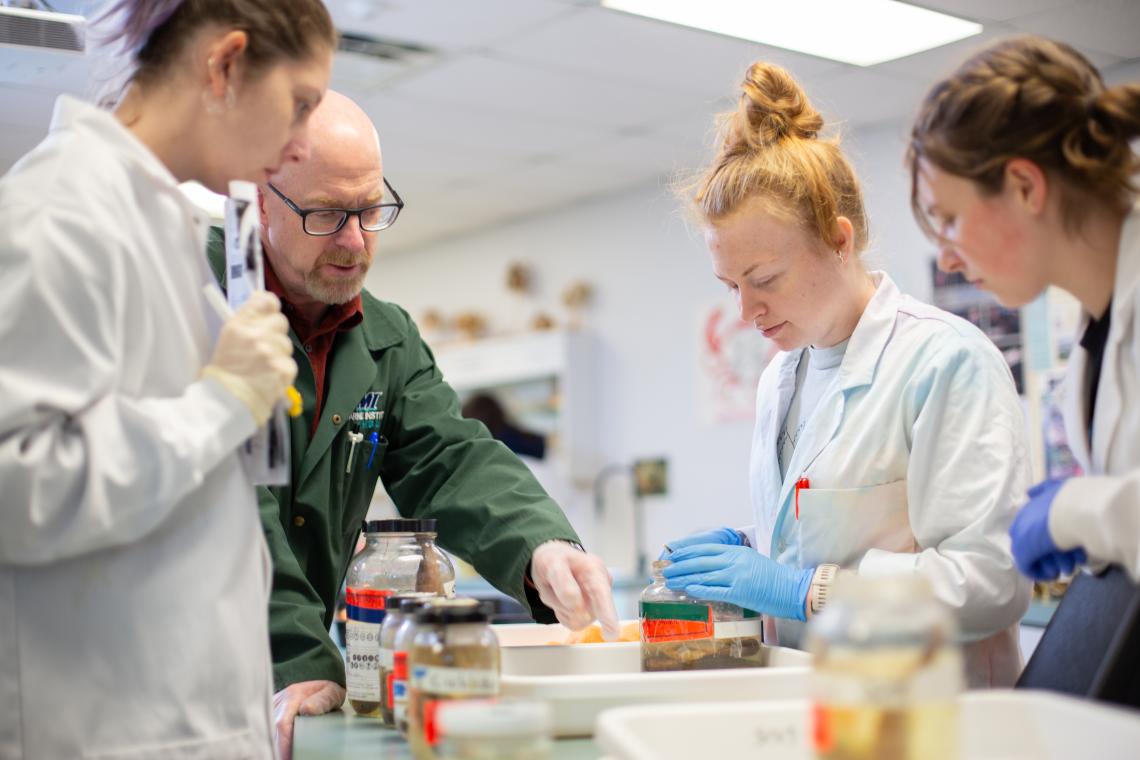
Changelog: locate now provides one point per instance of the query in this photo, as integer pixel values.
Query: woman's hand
(741, 576)
(722, 535)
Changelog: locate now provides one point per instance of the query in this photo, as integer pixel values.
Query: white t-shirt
(817, 369)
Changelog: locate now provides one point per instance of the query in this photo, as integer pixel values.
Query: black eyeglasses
(328, 221)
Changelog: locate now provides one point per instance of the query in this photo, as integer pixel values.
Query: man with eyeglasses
(376, 407)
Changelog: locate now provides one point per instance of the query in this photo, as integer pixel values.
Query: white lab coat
(916, 461)
(134, 576)
(1102, 512)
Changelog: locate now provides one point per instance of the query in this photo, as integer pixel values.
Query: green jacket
(433, 463)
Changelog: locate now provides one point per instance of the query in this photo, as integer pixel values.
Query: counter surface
(342, 736)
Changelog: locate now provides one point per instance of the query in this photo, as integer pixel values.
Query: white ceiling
(527, 105)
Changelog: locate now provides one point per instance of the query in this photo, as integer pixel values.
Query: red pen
(800, 484)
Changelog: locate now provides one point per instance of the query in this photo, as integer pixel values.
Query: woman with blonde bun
(1025, 175)
(889, 436)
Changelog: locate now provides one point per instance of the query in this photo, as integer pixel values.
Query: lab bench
(343, 736)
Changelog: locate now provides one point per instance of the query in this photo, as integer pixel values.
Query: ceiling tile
(1108, 26)
(990, 10)
(362, 74)
(492, 126)
(444, 24)
(932, 65)
(634, 49)
(634, 158)
(865, 96)
(538, 92)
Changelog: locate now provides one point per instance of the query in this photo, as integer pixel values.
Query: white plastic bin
(582, 680)
(993, 725)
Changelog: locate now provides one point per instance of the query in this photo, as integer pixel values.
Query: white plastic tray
(1005, 724)
(525, 651)
(582, 680)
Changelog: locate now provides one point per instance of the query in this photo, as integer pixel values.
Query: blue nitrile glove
(741, 576)
(723, 535)
(1034, 551)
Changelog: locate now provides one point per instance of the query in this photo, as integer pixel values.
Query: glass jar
(454, 656)
(410, 559)
(401, 642)
(393, 619)
(682, 633)
(506, 729)
(887, 672)
(398, 556)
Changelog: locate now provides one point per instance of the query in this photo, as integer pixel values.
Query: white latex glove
(576, 585)
(254, 356)
(304, 698)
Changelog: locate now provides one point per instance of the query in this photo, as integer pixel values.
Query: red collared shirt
(317, 338)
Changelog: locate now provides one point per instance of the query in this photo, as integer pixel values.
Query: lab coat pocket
(839, 525)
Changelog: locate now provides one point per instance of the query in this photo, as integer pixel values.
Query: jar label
(737, 629)
(455, 682)
(822, 737)
(675, 621)
(431, 731)
(366, 605)
(362, 661)
(398, 685)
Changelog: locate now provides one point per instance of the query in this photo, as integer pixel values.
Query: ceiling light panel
(860, 32)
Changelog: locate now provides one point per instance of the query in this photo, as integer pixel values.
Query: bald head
(342, 171)
(343, 143)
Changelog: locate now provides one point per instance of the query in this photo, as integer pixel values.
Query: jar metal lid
(401, 525)
(395, 601)
(447, 611)
(487, 719)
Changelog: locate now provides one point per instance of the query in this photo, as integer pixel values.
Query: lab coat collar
(867, 342)
(1106, 417)
(81, 117)
(72, 113)
(871, 334)
(860, 361)
(380, 330)
(350, 374)
(1127, 271)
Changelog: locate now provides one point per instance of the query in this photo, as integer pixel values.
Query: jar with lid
(410, 559)
(398, 556)
(505, 729)
(887, 672)
(682, 633)
(393, 618)
(401, 642)
(454, 656)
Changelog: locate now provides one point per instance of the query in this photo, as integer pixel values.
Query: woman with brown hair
(1024, 174)
(134, 576)
(889, 437)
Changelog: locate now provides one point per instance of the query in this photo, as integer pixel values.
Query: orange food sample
(592, 634)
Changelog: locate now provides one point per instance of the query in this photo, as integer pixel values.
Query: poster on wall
(730, 357)
(1059, 459)
(955, 294)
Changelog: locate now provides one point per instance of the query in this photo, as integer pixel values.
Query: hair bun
(773, 107)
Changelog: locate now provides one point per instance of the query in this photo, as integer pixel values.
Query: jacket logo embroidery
(368, 414)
